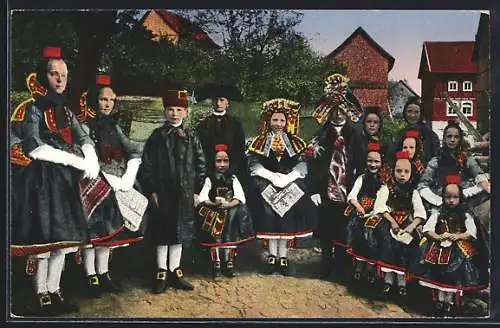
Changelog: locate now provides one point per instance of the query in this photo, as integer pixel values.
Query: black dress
(49, 214)
(224, 227)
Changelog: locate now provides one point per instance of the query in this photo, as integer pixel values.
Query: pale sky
(400, 32)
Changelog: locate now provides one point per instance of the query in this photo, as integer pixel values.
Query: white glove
(316, 199)
(58, 156)
(114, 181)
(91, 162)
(128, 179)
(431, 197)
(472, 191)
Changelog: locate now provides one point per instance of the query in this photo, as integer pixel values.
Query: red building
(448, 67)
(368, 65)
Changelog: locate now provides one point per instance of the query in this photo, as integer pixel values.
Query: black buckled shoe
(160, 283)
(228, 269)
(45, 306)
(438, 309)
(284, 266)
(216, 272)
(448, 310)
(108, 284)
(177, 280)
(271, 264)
(402, 295)
(61, 304)
(94, 286)
(356, 277)
(386, 292)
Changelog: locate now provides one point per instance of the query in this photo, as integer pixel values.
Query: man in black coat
(172, 174)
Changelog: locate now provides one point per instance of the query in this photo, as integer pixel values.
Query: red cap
(175, 98)
(220, 147)
(373, 147)
(452, 179)
(402, 155)
(52, 52)
(103, 80)
(412, 134)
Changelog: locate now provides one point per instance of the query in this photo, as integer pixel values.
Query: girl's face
(373, 161)
(452, 195)
(452, 138)
(413, 113)
(402, 170)
(409, 145)
(57, 75)
(221, 162)
(372, 124)
(278, 122)
(106, 101)
(175, 114)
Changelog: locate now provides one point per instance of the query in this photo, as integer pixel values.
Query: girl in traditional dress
(360, 236)
(401, 210)
(225, 220)
(449, 258)
(119, 159)
(278, 171)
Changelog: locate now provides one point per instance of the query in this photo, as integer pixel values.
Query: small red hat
(412, 134)
(453, 179)
(103, 80)
(175, 98)
(52, 52)
(402, 155)
(373, 147)
(220, 147)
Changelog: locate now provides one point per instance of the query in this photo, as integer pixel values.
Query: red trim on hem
(111, 235)
(288, 234)
(235, 243)
(338, 243)
(119, 242)
(24, 250)
(464, 288)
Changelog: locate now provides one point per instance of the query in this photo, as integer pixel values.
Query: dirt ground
(249, 295)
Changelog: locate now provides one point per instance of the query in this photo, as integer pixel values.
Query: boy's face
(452, 195)
(106, 101)
(221, 162)
(409, 145)
(402, 171)
(373, 161)
(175, 114)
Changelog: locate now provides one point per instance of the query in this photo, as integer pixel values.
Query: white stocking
(102, 256)
(389, 278)
(174, 256)
(273, 247)
(401, 280)
(161, 256)
(56, 266)
(283, 247)
(89, 260)
(42, 273)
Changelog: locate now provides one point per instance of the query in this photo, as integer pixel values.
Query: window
(452, 86)
(466, 107)
(467, 86)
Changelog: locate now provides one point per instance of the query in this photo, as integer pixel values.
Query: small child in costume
(226, 222)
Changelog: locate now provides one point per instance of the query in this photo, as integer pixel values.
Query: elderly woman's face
(278, 122)
(413, 113)
(372, 124)
(57, 75)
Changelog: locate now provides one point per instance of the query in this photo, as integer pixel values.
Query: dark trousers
(331, 226)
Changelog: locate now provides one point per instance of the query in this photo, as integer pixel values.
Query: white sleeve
(353, 194)
(203, 196)
(418, 206)
(380, 205)
(238, 190)
(470, 226)
(430, 225)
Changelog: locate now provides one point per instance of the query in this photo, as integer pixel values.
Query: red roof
(447, 57)
(367, 37)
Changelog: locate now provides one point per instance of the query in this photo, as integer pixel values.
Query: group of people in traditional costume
(79, 184)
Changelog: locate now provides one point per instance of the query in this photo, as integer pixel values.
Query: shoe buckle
(272, 260)
(179, 273)
(94, 280)
(161, 275)
(45, 300)
(217, 265)
(284, 262)
(229, 264)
